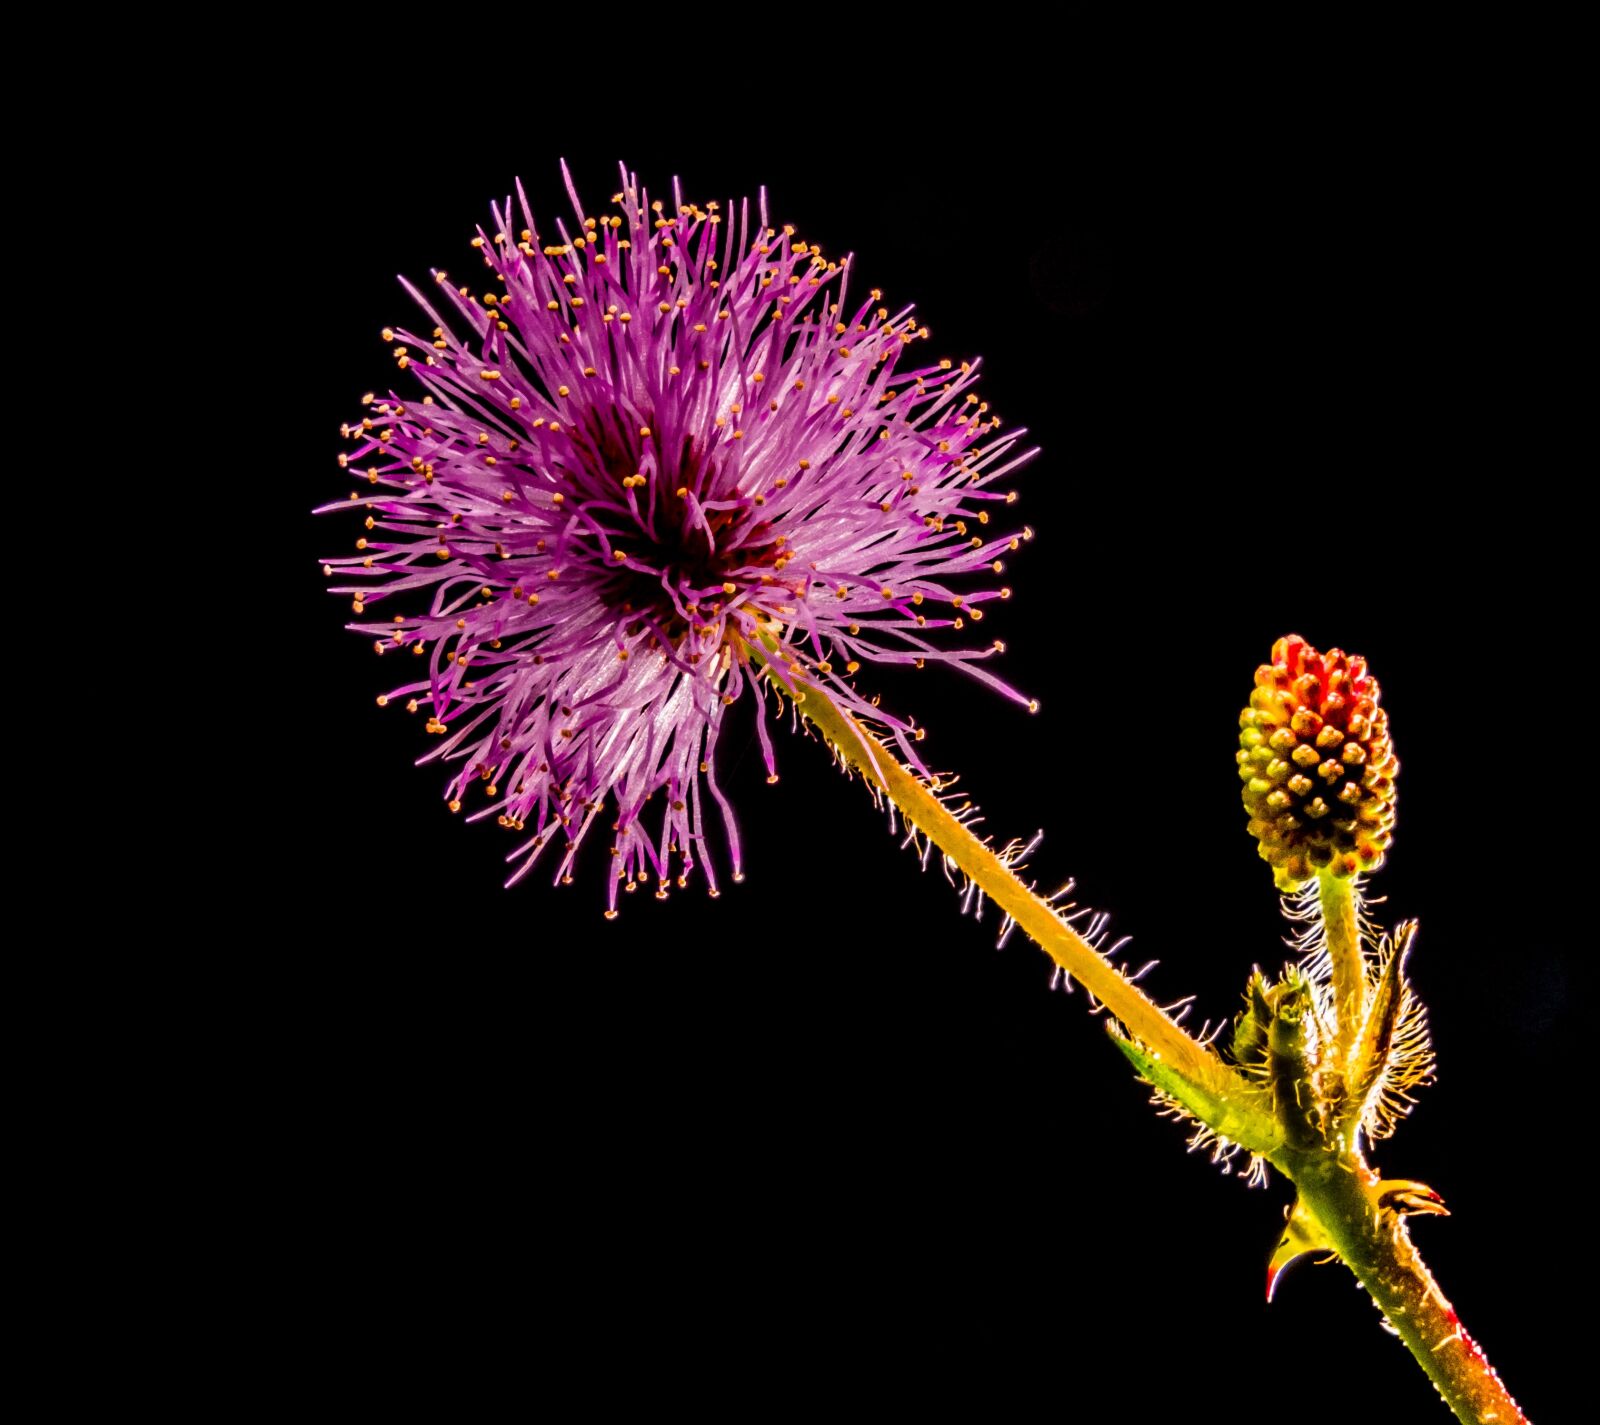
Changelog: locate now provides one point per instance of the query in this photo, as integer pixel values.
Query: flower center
(668, 550)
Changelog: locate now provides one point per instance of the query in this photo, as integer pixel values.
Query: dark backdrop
(817, 1138)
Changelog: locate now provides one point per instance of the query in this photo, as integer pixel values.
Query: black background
(816, 1139)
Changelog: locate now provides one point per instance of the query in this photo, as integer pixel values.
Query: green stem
(1343, 931)
(1346, 1198)
(1373, 1241)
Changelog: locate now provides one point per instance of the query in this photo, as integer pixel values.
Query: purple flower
(642, 447)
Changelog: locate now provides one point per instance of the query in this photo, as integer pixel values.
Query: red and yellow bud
(1317, 765)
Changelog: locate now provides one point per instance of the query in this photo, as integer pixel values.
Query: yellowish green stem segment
(1348, 1201)
(1356, 1212)
(1145, 1021)
(1342, 930)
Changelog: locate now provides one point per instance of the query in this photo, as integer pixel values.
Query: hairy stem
(1373, 1241)
(1145, 1021)
(1370, 1235)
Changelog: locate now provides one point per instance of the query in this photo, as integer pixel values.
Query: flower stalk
(1342, 932)
(1297, 1124)
(1199, 1069)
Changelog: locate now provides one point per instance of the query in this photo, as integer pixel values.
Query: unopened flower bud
(1316, 763)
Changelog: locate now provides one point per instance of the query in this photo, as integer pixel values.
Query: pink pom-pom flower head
(643, 447)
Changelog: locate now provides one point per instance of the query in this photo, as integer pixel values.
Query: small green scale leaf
(1369, 1063)
(1247, 1122)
